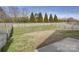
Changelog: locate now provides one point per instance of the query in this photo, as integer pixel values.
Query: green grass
(71, 33)
(20, 41)
(21, 30)
(23, 42)
(61, 34)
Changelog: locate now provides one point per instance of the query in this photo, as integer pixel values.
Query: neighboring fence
(60, 26)
(65, 26)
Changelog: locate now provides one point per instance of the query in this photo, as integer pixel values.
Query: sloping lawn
(21, 41)
(28, 38)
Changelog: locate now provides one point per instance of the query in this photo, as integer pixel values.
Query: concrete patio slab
(66, 45)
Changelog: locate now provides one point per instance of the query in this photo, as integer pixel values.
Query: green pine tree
(51, 18)
(55, 18)
(46, 18)
(32, 18)
(40, 18)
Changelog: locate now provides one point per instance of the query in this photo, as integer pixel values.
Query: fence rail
(62, 26)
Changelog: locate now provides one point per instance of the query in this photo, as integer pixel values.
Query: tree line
(38, 18)
(33, 18)
(21, 16)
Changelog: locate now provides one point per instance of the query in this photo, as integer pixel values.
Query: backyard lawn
(28, 38)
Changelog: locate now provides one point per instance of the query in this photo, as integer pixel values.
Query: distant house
(72, 20)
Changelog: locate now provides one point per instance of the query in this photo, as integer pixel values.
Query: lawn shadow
(54, 37)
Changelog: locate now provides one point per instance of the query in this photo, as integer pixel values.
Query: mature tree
(3, 15)
(40, 18)
(32, 18)
(14, 12)
(46, 18)
(51, 18)
(55, 18)
(24, 15)
(36, 17)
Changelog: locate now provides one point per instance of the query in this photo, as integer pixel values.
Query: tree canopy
(46, 18)
(51, 18)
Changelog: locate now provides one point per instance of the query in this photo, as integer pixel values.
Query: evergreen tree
(40, 18)
(32, 18)
(36, 17)
(46, 18)
(55, 18)
(51, 18)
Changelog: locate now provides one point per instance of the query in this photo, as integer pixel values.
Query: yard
(28, 38)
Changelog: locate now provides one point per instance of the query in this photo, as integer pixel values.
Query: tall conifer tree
(46, 18)
(40, 18)
(32, 18)
(51, 18)
(55, 18)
